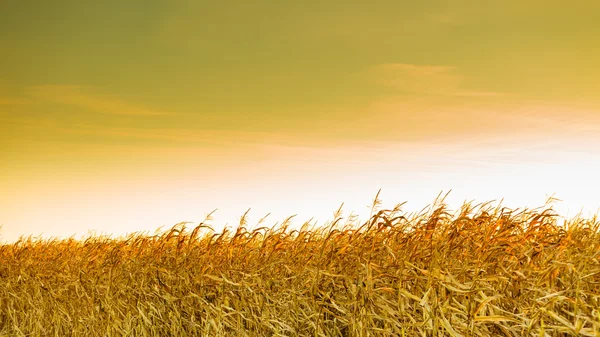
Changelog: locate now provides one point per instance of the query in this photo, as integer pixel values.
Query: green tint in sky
(270, 58)
(111, 89)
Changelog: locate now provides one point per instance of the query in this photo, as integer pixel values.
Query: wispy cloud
(205, 137)
(179, 135)
(13, 101)
(444, 18)
(11, 97)
(80, 96)
(424, 80)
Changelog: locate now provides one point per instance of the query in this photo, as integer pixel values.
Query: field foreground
(482, 271)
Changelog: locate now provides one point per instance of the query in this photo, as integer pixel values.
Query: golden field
(480, 271)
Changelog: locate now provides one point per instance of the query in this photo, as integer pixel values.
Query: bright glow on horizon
(307, 182)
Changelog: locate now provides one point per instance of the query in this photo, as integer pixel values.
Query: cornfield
(482, 270)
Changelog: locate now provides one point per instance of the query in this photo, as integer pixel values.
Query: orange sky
(115, 119)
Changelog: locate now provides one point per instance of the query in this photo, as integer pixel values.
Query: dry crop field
(481, 271)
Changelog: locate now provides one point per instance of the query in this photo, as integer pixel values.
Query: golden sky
(121, 116)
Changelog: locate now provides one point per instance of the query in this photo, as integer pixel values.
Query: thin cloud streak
(424, 79)
(77, 96)
(179, 135)
(13, 101)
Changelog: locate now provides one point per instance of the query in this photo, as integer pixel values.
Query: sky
(127, 116)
